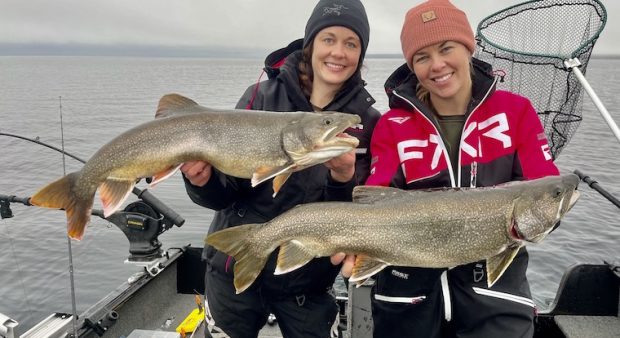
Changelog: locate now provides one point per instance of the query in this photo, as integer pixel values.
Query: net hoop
(529, 43)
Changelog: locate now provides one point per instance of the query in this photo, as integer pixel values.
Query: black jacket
(236, 202)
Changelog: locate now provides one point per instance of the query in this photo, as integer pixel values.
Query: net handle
(573, 65)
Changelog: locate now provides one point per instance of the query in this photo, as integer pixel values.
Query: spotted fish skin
(387, 226)
(256, 145)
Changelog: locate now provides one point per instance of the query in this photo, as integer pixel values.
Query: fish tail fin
(58, 195)
(249, 261)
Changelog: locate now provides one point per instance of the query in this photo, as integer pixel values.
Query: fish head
(540, 206)
(315, 138)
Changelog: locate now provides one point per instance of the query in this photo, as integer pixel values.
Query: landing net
(528, 43)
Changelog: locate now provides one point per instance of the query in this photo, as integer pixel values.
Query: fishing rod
(170, 216)
(594, 185)
(141, 221)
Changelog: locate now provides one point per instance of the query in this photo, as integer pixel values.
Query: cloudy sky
(237, 26)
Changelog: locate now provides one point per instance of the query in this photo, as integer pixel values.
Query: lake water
(102, 97)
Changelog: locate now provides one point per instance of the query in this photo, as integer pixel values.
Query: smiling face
(444, 70)
(335, 56)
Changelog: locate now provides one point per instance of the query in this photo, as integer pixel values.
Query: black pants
(411, 302)
(243, 315)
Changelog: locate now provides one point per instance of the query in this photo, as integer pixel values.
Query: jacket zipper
(443, 146)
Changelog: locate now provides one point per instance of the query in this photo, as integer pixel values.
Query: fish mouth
(333, 143)
(336, 139)
(332, 140)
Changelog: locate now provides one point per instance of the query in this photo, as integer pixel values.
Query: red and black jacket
(502, 139)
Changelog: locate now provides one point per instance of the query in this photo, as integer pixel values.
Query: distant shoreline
(165, 51)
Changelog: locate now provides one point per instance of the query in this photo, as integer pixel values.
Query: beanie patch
(428, 16)
(346, 13)
(335, 10)
(432, 22)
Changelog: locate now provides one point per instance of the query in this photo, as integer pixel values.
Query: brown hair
(306, 75)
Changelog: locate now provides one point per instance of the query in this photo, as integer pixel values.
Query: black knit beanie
(346, 13)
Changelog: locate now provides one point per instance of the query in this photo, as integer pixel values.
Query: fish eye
(557, 192)
(328, 121)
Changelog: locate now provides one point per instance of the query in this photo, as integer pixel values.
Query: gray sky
(229, 24)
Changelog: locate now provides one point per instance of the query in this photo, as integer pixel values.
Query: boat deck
(149, 306)
(582, 326)
(158, 307)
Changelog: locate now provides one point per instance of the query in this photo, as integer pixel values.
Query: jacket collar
(400, 87)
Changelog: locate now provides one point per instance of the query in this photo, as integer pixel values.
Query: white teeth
(443, 78)
(333, 65)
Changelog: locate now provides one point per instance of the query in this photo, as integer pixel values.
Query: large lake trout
(387, 226)
(252, 144)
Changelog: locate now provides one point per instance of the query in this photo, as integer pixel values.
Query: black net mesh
(528, 44)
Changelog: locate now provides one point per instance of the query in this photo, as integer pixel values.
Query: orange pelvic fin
(164, 175)
(113, 192)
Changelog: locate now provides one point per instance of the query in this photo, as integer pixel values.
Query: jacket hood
(277, 58)
(404, 81)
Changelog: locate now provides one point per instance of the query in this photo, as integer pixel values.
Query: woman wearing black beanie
(319, 72)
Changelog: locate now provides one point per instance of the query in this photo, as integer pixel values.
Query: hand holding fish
(342, 168)
(256, 145)
(385, 226)
(348, 261)
(197, 173)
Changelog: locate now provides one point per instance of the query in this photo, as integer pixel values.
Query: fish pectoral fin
(278, 182)
(368, 194)
(113, 192)
(365, 267)
(293, 255)
(497, 265)
(164, 175)
(264, 173)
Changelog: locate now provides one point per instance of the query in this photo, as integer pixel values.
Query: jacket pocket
(504, 296)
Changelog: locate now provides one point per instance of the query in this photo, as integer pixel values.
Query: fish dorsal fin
(160, 176)
(368, 194)
(497, 264)
(365, 267)
(172, 104)
(293, 255)
(113, 192)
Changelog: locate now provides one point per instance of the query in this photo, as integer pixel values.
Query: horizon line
(80, 49)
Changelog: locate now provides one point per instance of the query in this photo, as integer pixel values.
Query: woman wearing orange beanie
(449, 127)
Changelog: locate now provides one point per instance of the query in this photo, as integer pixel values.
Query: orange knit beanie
(432, 22)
